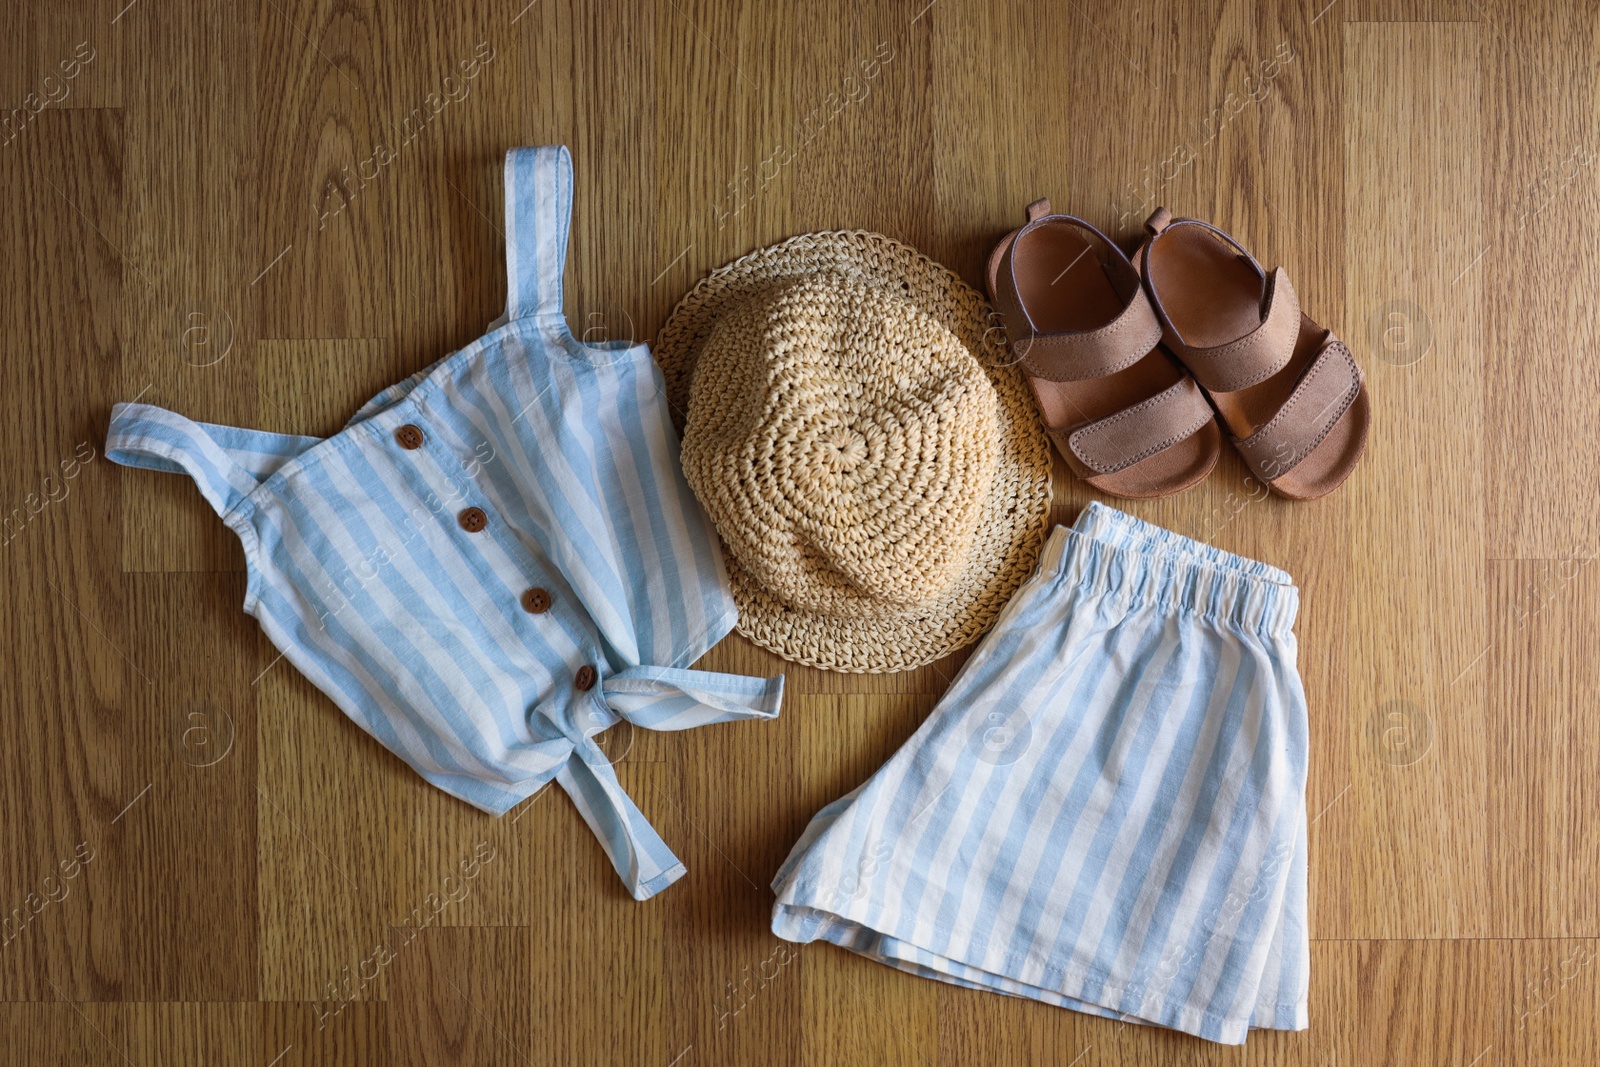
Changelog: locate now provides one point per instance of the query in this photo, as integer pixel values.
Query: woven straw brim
(1016, 512)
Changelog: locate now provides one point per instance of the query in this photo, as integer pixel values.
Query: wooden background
(202, 858)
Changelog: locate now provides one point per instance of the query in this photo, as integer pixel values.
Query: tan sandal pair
(1133, 362)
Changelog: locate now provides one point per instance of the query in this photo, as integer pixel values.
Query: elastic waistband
(1107, 551)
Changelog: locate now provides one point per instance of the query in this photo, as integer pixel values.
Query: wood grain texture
(1412, 207)
(264, 213)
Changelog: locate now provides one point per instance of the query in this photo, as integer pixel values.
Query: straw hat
(870, 458)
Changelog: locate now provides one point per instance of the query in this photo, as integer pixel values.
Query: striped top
(496, 559)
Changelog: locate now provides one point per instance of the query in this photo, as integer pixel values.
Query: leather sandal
(1288, 390)
(1128, 419)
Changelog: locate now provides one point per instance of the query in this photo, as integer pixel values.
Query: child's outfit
(1106, 811)
(497, 558)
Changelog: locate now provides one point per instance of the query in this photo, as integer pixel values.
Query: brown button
(536, 601)
(408, 437)
(472, 520)
(585, 679)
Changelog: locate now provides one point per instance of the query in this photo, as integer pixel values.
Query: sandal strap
(1135, 433)
(1256, 356)
(1116, 346)
(1325, 392)
(1248, 360)
(1077, 356)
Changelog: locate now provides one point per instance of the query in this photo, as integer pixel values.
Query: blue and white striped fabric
(1106, 811)
(365, 574)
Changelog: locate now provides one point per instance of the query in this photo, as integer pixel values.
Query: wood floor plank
(1541, 235)
(1036, 1033)
(457, 999)
(187, 865)
(1552, 1002)
(1415, 717)
(187, 1035)
(295, 1035)
(1341, 11)
(225, 1034)
(39, 1032)
(512, 986)
(330, 143)
(736, 981)
(324, 827)
(1541, 802)
(64, 56)
(64, 770)
(627, 946)
(724, 127)
(446, 250)
(857, 1011)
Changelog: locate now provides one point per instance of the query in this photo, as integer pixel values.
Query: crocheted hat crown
(868, 451)
(843, 442)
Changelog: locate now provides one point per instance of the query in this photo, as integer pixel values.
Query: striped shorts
(1106, 812)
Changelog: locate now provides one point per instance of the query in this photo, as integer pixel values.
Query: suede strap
(1325, 392)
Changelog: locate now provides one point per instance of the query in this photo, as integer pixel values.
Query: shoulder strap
(226, 463)
(538, 213)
